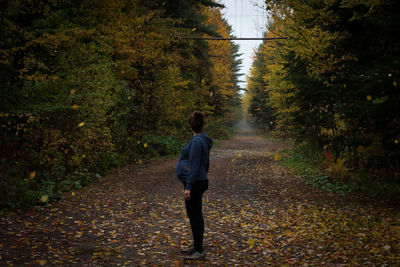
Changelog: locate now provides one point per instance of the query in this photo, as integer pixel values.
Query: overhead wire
(239, 32)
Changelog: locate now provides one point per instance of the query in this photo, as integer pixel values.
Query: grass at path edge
(308, 162)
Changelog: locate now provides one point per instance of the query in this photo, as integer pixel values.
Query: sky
(248, 19)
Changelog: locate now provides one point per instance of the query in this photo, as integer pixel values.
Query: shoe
(195, 256)
(188, 250)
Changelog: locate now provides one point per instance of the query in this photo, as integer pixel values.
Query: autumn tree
(223, 93)
(89, 85)
(334, 81)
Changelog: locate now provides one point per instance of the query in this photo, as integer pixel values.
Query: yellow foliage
(337, 169)
(32, 174)
(326, 132)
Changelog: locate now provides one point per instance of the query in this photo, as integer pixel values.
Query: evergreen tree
(334, 81)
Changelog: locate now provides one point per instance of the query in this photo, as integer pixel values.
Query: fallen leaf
(44, 198)
(32, 175)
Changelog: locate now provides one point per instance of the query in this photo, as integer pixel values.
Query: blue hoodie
(194, 161)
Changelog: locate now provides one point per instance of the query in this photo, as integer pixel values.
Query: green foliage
(308, 162)
(110, 160)
(376, 186)
(157, 145)
(334, 82)
(321, 181)
(262, 113)
(305, 159)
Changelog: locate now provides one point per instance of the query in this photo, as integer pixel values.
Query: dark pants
(194, 212)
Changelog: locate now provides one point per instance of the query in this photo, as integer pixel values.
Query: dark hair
(196, 121)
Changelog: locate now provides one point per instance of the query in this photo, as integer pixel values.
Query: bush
(308, 161)
(158, 145)
(110, 160)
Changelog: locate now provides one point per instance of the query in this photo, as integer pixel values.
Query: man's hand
(186, 193)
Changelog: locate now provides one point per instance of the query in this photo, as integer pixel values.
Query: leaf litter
(256, 213)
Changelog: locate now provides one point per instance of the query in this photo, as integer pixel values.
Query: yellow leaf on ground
(41, 262)
(287, 233)
(251, 242)
(44, 198)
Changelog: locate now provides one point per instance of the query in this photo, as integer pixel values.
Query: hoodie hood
(206, 139)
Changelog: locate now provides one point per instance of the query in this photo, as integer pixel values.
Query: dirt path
(256, 214)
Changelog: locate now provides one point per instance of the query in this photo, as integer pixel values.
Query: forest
(95, 101)
(333, 86)
(90, 85)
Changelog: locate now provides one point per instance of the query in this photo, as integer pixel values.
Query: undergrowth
(21, 190)
(308, 161)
